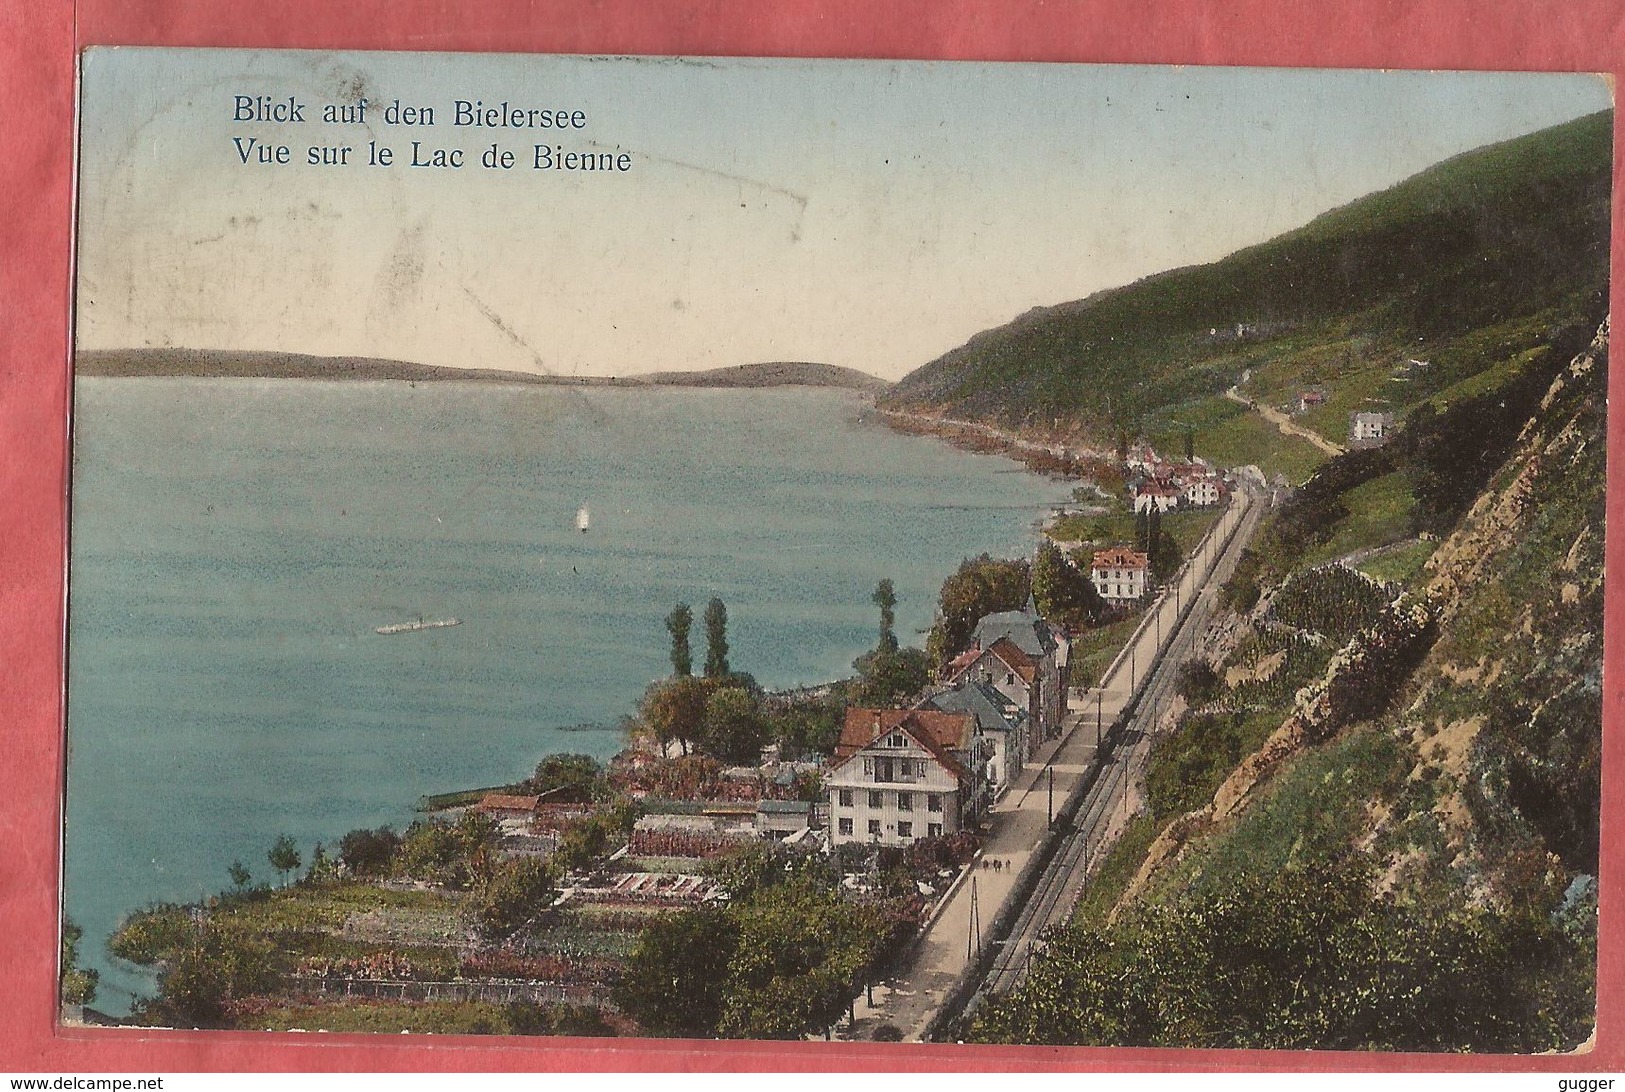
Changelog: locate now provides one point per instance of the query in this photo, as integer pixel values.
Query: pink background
(39, 40)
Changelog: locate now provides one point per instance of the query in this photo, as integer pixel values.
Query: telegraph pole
(1052, 796)
(1099, 695)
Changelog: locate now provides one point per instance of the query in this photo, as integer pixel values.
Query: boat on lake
(583, 519)
(413, 627)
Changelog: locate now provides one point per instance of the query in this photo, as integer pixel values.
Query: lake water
(235, 544)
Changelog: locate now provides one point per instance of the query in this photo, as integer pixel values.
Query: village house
(1119, 574)
(1203, 492)
(903, 774)
(1370, 429)
(1310, 399)
(1021, 656)
(1001, 725)
(501, 807)
(1160, 495)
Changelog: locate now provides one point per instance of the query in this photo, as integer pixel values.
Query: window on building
(868, 767)
(933, 801)
(874, 827)
(905, 830)
(874, 800)
(846, 798)
(905, 801)
(934, 829)
(844, 826)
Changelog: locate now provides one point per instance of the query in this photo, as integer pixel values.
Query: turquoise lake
(235, 544)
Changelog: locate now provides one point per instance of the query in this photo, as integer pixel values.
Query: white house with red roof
(899, 775)
(1119, 574)
(1156, 494)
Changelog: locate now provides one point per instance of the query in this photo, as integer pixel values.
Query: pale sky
(868, 214)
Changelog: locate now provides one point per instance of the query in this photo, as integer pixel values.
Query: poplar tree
(716, 639)
(678, 623)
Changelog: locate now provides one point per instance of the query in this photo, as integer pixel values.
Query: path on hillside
(1281, 421)
(936, 969)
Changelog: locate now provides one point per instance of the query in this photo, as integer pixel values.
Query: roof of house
(1120, 557)
(496, 801)
(939, 733)
(1030, 633)
(992, 710)
(784, 807)
(1006, 652)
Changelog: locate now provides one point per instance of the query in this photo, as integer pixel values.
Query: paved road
(1018, 822)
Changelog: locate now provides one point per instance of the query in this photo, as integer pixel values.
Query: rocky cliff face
(1488, 677)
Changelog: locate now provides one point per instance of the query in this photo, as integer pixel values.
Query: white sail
(583, 519)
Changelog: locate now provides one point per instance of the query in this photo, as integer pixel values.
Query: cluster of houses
(933, 770)
(1157, 484)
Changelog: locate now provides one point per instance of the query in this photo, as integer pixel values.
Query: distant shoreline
(221, 364)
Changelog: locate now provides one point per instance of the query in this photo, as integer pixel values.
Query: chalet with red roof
(899, 775)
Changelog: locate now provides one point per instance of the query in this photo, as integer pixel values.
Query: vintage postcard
(837, 550)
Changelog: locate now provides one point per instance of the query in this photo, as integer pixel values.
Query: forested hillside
(1461, 268)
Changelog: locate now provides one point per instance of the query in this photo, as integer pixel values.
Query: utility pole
(973, 936)
(1052, 797)
(1100, 694)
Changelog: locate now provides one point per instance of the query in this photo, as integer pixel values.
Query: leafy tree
(1198, 682)
(454, 854)
(201, 977)
(239, 875)
(678, 623)
(568, 779)
(674, 710)
(802, 954)
(886, 599)
(807, 726)
(1306, 956)
(886, 678)
(284, 857)
(716, 639)
(368, 852)
(518, 890)
(321, 866)
(733, 728)
(743, 871)
(981, 586)
(1061, 590)
(672, 984)
(77, 986)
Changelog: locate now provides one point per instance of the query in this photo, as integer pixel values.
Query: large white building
(1119, 574)
(899, 775)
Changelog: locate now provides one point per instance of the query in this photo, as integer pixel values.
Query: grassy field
(1112, 877)
(1400, 565)
(1229, 434)
(1187, 526)
(1093, 652)
(1379, 513)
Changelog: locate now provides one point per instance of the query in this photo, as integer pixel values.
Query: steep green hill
(1502, 243)
(1380, 829)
